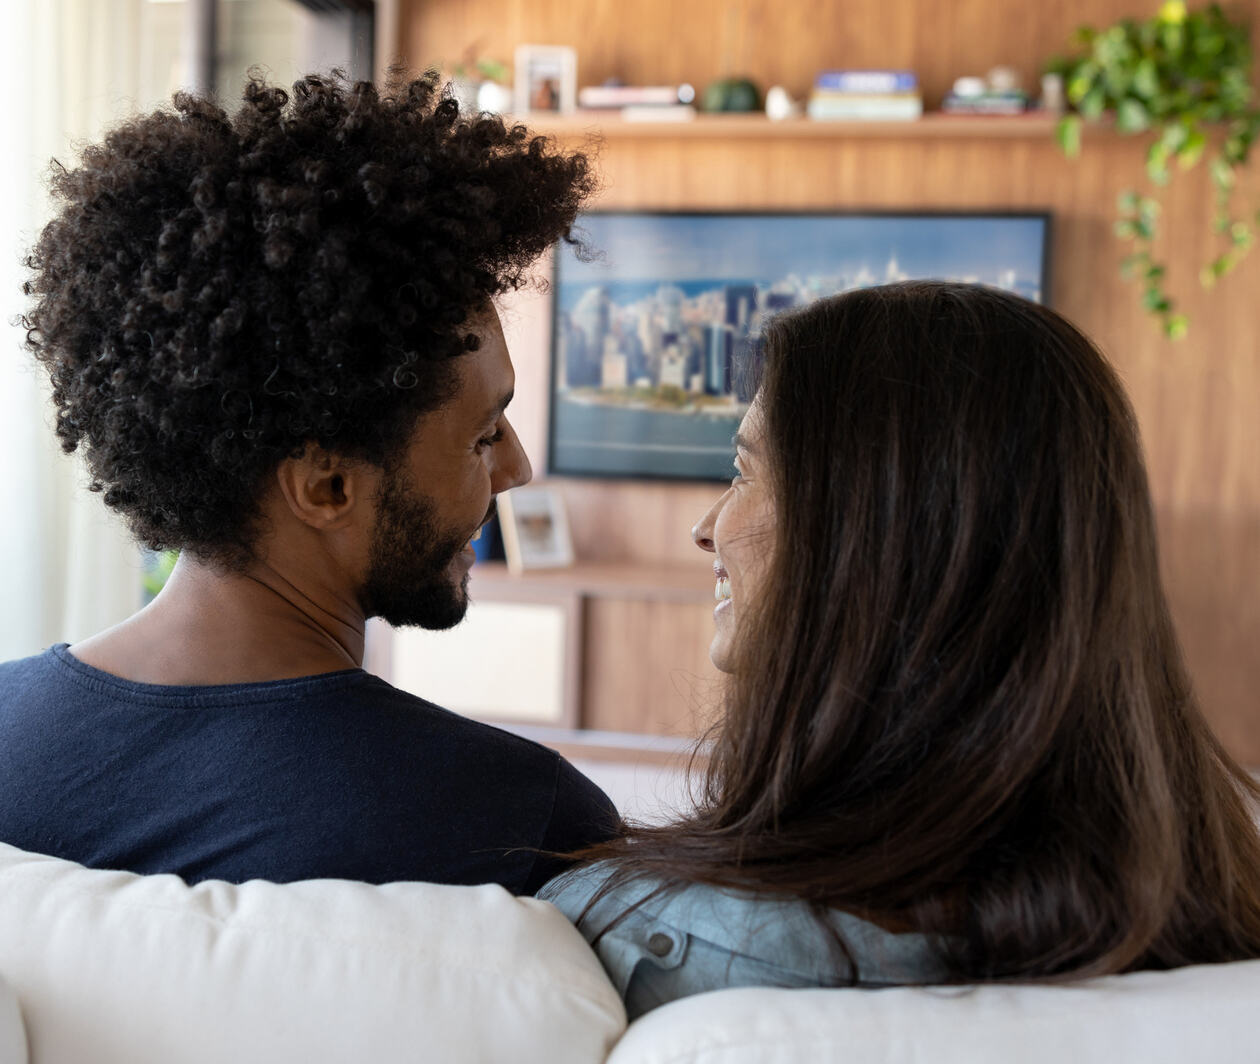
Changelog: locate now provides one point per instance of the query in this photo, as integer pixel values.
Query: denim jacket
(704, 938)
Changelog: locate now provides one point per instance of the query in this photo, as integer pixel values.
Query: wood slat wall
(1198, 401)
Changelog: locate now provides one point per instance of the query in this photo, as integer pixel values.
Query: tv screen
(653, 341)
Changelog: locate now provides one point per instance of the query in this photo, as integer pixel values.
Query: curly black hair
(215, 292)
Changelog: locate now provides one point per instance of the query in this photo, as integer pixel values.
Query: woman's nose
(702, 531)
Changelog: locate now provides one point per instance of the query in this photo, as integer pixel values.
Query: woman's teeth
(723, 589)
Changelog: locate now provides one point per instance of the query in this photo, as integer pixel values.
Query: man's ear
(321, 488)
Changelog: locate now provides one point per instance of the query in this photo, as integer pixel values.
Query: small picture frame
(546, 79)
(535, 529)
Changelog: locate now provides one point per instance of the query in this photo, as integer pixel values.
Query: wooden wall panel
(1198, 401)
(647, 667)
(1211, 573)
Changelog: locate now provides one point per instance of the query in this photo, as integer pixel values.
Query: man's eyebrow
(495, 411)
(741, 443)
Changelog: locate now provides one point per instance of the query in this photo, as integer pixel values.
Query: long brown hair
(960, 703)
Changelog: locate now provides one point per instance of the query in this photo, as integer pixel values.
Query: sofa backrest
(116, 968)
(12, 1032)
(1205, 1013)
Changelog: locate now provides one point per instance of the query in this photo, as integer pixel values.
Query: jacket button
(660, 944)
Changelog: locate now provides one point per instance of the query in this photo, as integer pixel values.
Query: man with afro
(272, 336)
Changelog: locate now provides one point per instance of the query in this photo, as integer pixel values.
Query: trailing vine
(1184, 79)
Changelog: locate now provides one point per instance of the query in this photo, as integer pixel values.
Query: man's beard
(409, 582)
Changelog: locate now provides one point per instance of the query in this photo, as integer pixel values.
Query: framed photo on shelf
(535, 529)
(546, 79)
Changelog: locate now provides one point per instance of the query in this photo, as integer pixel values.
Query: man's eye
(488, 441)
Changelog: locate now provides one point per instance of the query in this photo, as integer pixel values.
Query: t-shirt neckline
(260, 691)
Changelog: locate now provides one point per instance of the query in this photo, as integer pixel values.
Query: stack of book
(876, 95)
(652, 103)
(989, 102)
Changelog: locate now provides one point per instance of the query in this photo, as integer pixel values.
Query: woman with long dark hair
(959, 743)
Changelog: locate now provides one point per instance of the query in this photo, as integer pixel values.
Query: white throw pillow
(115, 968)
(12, 1033)
(1204, 1013)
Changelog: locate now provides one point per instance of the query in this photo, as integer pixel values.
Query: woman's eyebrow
(741, 442)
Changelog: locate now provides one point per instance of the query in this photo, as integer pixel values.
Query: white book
(890, 109)
(679, 112)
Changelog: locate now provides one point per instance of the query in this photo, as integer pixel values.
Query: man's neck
(212, 626)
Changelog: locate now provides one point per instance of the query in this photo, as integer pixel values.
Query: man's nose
(512, 468)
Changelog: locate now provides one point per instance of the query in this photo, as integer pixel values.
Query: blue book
(874, 81)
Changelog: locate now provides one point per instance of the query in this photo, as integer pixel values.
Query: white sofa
(113, 968)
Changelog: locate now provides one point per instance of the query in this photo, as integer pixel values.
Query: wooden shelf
(620, 580)
(934, 125)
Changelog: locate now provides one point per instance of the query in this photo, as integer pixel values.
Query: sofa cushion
(12, 1033)
(1200, 1013)
(116, 968)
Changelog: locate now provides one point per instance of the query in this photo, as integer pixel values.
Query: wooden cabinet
(632, 664)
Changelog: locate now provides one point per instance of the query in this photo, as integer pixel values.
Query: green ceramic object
(732, 94)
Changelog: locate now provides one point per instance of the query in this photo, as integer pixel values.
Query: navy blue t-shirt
(332, 776)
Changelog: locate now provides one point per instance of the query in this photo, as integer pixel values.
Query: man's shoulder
(23, 674)
(574, 792)
(417, 724)
(413, 712)
(28, 665)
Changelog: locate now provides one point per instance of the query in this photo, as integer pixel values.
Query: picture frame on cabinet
(545, 79)
(535, 529)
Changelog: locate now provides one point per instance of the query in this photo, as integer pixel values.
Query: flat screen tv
(652, 342)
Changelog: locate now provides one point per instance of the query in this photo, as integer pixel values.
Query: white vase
(493, 97)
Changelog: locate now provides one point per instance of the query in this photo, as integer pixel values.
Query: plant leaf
(1192, 150)
(1068, 134)
(1173, 136)
(1093, 103)
(1176, 327)
(1127, 201)
(1172, 11)
(1130, 264)
(1145, 78)
(1222, 174)
(1131, 116)
(1157, 163)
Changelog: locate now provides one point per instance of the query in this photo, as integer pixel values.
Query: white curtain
(70, 69)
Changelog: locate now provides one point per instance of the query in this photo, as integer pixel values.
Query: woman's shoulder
(572, 890)
(642, 915)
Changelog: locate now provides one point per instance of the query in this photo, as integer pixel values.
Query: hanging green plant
(1178, 78)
